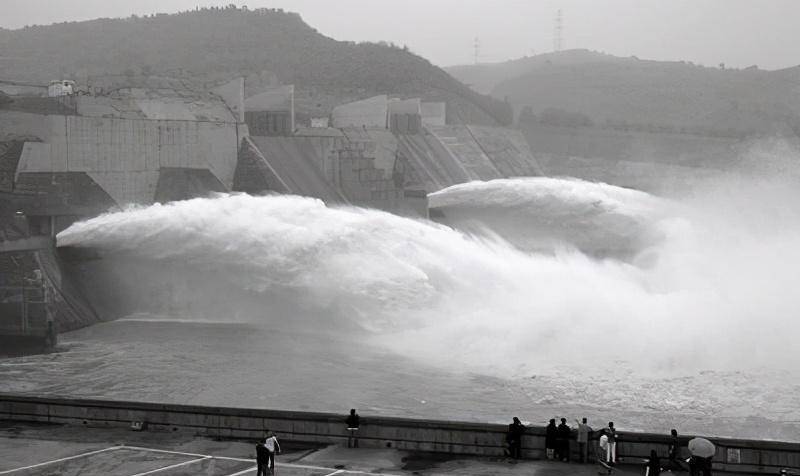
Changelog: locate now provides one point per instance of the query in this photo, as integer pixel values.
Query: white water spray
(715, 288)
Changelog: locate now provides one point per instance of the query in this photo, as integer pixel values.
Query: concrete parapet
(742, 456)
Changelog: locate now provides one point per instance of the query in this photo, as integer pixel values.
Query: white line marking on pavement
(335, 472)
(172, 466)
(240, 473)
(196, 455)
(90, 453)
(250, 460)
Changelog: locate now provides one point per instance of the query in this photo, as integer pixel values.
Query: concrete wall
(280, 98)
(122, 155)
(462, 145)
(232, 93)
(298, 165)
(13, 89)
(405, 116)
(27, 125)
(379, 143)
(430, 165)
(10, 153)
(342, 170)
(62, 301)
(371, 112)
(405, 106)
(402, 124)
(269, 123)
(271, 112)
(254, 174)
(434, 113)
(507, 149)
(746, 456)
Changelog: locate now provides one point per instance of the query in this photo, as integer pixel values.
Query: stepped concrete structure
(337, 170)
(299, 164)
(429, 163)
(411, 139)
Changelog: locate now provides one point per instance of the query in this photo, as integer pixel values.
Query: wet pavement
(45, 450)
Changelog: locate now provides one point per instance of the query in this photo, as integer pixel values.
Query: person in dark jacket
(514, 438)
(653, 464)
(611, 452)
(353, 422)
(550, 438)
(262, 459)
(674, 461)
(564, 432)
(699, 465)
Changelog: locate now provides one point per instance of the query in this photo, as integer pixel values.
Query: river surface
(530, 297)
(246, 365)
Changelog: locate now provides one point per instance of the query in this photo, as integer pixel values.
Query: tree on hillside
(222, 42)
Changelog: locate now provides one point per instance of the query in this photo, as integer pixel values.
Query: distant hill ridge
(265, 45)
(615, 90)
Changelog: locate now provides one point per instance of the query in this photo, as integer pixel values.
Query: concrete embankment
(741, 456)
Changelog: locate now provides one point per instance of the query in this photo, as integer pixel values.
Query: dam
(156, 140)
(201, 235)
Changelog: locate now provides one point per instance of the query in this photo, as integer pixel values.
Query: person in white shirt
(584, 430)
(272, 445)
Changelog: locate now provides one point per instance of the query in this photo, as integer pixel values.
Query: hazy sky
(736, 32)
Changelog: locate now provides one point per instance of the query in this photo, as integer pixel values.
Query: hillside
(483, 77)
(644, 94)
(216, 44)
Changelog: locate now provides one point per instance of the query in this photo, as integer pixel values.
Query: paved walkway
(44, 450)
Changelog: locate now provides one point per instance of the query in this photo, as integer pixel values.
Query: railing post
(24, 309)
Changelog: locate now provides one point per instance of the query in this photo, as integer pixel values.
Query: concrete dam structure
(139, 141)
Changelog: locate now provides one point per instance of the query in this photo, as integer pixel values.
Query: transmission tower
(476, 49)
(558, 39)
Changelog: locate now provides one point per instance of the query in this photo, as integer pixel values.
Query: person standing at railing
(674, 461)
(611, 450)
(564, 432)
(353, 421)
(653, 467)
(550, 439)
(584, 433)
(514, 438)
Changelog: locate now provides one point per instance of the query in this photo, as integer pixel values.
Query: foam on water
(709, 284)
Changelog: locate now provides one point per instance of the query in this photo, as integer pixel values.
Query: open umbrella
(701, 448)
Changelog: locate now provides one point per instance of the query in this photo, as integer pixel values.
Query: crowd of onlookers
(601, 447)
(591, 446)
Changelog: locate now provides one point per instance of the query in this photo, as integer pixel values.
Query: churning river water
(534, 297)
